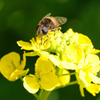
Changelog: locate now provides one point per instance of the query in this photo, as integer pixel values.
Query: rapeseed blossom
(57, 56)
(44, 77)
(70, 51)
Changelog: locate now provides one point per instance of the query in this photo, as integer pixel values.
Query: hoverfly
(49, 23)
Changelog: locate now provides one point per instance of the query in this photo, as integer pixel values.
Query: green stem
(44, 96)
(71, 83)
(35, 95)
(69, 74)
(41, 92)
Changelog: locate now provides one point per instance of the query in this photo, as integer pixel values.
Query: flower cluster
(58, 55)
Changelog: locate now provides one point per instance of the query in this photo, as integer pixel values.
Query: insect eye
(44, 30)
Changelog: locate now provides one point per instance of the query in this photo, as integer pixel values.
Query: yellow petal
(93, 59)
(43, 65)
(86, 80)
(25, 45)
(65, 79)
(31, 84)
(55, 59)
(11, 58)
(95, 51)
(6, 70)
(69, 32)
(94, 78)
(83, 39)
(8, 64)
(87, 48)
(32, 54)
(68, 65)
(23, 62)
(17, 73)
(49, 81)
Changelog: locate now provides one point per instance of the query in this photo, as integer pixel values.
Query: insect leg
(41, 40)
(57, 28)
(47, 38)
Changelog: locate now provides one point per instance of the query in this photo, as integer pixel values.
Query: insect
(49, 23)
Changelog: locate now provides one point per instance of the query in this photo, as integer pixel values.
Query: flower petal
(83, 39)
(8, 64)
(94, 78)
(85, 79)
(68, 65)
(23, 62)
(49, 81)
(65, 79)
(93, 59)
(55, 59)
(43, 65)
(11, 58)
(17, 73)
(25, 45)
(31, 83)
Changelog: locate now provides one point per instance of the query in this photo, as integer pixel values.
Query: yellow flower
(90, 82)
(87, 74)
(34, 45)
(44, 77)
(73, 53)
(91, 62)
(11, 68)
(68, 51)
(38, 48)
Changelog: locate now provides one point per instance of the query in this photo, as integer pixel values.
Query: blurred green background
(18, 20)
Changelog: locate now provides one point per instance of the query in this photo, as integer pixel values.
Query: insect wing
(61, 20)
(48, 15)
